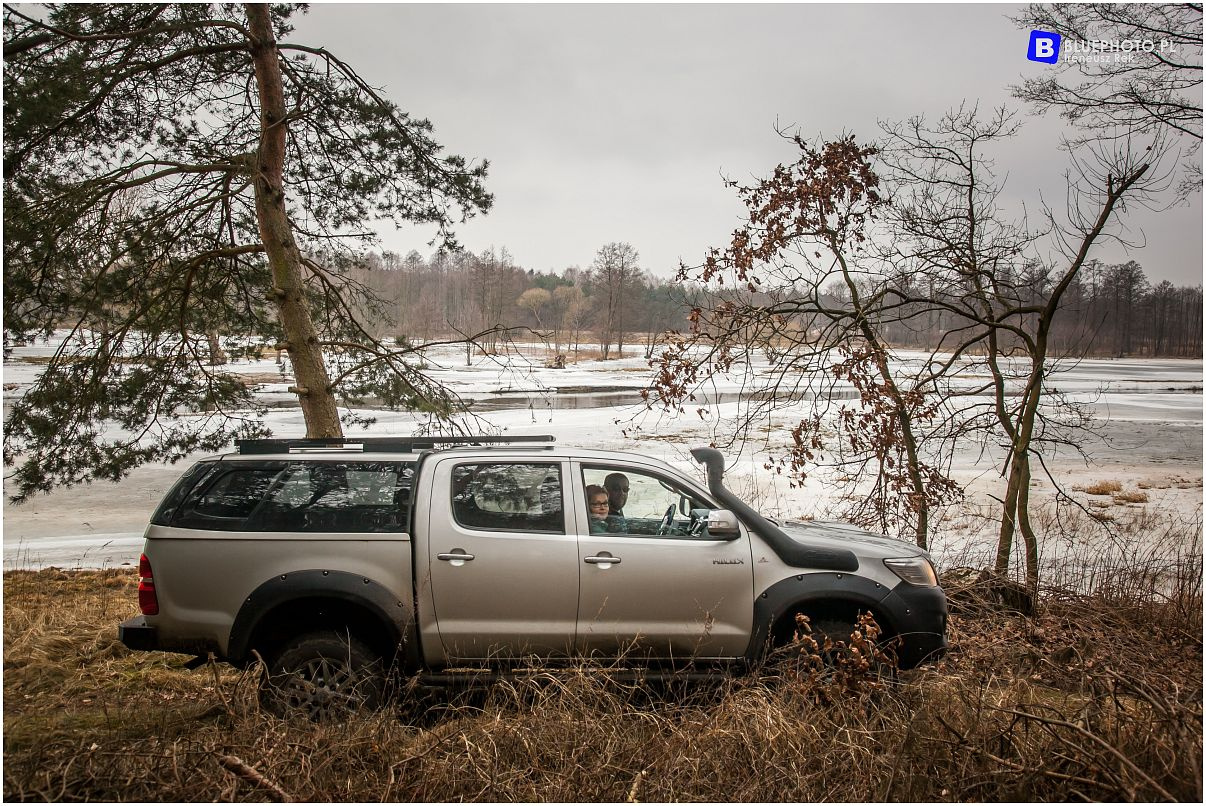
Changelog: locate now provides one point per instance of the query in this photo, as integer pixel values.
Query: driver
(616, 485)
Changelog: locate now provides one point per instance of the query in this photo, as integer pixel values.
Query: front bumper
(138, 635)
(919, 615)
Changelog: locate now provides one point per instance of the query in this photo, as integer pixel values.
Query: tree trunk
(1017, 494)
(217, 356)
(1029, 538)
(313, 387)
(620, 320)
(1008, 519)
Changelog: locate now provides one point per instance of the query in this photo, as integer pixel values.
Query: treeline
(1111, 309)
(1108, 310)
(610, 305)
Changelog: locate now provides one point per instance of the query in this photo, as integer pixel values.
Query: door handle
(602, 560)
(455, 554)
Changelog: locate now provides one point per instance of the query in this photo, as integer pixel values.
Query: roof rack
(377, 444)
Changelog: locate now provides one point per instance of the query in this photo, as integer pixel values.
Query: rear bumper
(919, 615)
(138, 635)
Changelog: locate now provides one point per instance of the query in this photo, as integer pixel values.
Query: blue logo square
(1044, 47)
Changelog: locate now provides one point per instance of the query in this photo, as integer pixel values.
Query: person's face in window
(617, 491)
(598, 507)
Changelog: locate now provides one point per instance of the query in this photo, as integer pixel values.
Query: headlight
(914, 570)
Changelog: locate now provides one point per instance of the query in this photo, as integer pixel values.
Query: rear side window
(171, 502)
(352, 497)
(227, 498)
(508, 497)
(338, 497)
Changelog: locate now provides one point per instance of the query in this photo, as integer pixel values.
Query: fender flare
(391, 611)
(804, 589)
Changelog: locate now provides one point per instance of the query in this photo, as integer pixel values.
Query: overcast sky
(617, 122)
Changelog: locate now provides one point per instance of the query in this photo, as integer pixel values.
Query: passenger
(616, 485)
(596, 504)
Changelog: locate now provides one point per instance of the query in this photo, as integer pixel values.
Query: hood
(834, 534)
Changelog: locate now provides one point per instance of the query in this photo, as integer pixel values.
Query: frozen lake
(1149, 433)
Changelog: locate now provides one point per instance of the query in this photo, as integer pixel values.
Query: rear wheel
(323, 675)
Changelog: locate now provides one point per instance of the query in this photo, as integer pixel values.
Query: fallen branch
(235, 765)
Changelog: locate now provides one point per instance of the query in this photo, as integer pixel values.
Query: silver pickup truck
(340, 561)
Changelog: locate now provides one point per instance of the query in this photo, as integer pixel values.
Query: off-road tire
(323, 676)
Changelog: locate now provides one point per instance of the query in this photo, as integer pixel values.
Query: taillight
(147, 602)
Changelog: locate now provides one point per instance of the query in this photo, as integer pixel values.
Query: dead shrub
(1130, 497)
(1108, 487)
(827, 667)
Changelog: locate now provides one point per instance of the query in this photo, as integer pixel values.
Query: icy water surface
(1149, 420)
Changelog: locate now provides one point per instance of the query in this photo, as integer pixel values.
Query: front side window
(640, 503)
(509, 497)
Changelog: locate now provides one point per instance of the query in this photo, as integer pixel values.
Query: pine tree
(176, 169)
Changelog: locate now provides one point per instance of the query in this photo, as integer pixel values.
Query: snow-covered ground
(1148, 438)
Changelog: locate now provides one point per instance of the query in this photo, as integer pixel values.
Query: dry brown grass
(1107, 487)
(1130, 497)
(1098, 698)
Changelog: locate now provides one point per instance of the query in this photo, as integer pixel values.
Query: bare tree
(614, 268)
(494, 278)
(947, 227)
(574, 305)
(825, 269)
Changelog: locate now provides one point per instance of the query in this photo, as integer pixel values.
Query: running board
(485, 677)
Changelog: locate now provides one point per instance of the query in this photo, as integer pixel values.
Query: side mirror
(723, 525)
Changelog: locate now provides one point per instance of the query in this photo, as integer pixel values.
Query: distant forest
(613, 306)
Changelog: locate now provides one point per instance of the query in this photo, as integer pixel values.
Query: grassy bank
(1097, 698)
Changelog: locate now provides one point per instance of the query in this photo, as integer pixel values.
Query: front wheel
(323, 675)
(847, 640)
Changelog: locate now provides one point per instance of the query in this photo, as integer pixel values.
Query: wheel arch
(818, 595)
(310, 600)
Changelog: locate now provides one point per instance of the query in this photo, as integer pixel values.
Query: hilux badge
(727, 562)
